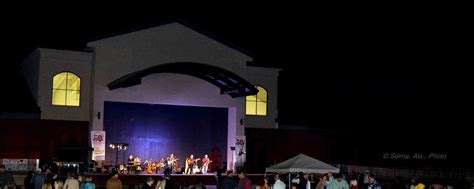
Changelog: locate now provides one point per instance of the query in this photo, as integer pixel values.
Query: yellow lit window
(66, 89)
(257, 104)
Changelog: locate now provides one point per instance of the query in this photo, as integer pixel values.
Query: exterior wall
(121, 55)
(56, 61)
(172, 43)
(117, 56)
(30, 70)
(268, 79)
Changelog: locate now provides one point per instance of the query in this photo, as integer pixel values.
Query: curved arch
(66, 89)
(228, 82)
(257, 104)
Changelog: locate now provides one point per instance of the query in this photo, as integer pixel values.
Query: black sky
(346, 68)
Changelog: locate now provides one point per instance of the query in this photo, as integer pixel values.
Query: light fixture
(117, 147)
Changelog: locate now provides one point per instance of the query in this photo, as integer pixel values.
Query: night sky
(347, 70)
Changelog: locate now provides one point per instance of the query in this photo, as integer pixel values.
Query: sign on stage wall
(240, 144)
(98, 143)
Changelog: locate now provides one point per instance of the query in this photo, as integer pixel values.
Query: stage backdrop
(155, 131)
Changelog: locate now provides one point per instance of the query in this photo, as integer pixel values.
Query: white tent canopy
(302, 163)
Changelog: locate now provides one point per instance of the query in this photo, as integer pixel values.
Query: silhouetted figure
(278, 183)
(263, 184)
(6, 178)
(416, 184)
(114, 182)
(372, 183)
(27, 180)
(148, 183)
(71, 182)
(398, 184)
(169, 184)
(40, 178)
(302, 184)
(338, 183)
(88, 184)
(322, 182)
(244, 182)
(228, 182)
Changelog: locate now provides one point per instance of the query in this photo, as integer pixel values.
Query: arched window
(66, 89)
(257, 104)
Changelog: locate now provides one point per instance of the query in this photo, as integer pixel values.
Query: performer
(137, 162)
(161, 165)
(191, 163)
(130, 163)
(205, 164)
(130, 160)
(171, 162)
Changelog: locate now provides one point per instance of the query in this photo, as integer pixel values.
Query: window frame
(52, 89)
(256, 102)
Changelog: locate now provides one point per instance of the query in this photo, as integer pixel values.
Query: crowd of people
(326, 181)
(47, 179)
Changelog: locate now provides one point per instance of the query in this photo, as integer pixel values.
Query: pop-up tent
(301, 163)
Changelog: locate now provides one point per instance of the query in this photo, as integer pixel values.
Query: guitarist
(205, 164)
(190, 164)
(171, 162)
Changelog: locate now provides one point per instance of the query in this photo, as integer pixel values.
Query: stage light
(117, 147)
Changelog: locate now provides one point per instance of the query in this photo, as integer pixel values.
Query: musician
(130, 160)
(205, 164)
(130, 163)
(137, 161)
(170, 162)
(161, 165)
(190, 164)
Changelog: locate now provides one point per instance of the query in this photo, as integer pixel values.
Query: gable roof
(187, 25)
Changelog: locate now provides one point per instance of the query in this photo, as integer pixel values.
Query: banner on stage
(240, 144)
(98, 143)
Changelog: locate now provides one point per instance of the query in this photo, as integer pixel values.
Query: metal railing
(426, 173)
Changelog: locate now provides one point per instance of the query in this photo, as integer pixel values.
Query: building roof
(185, 24)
